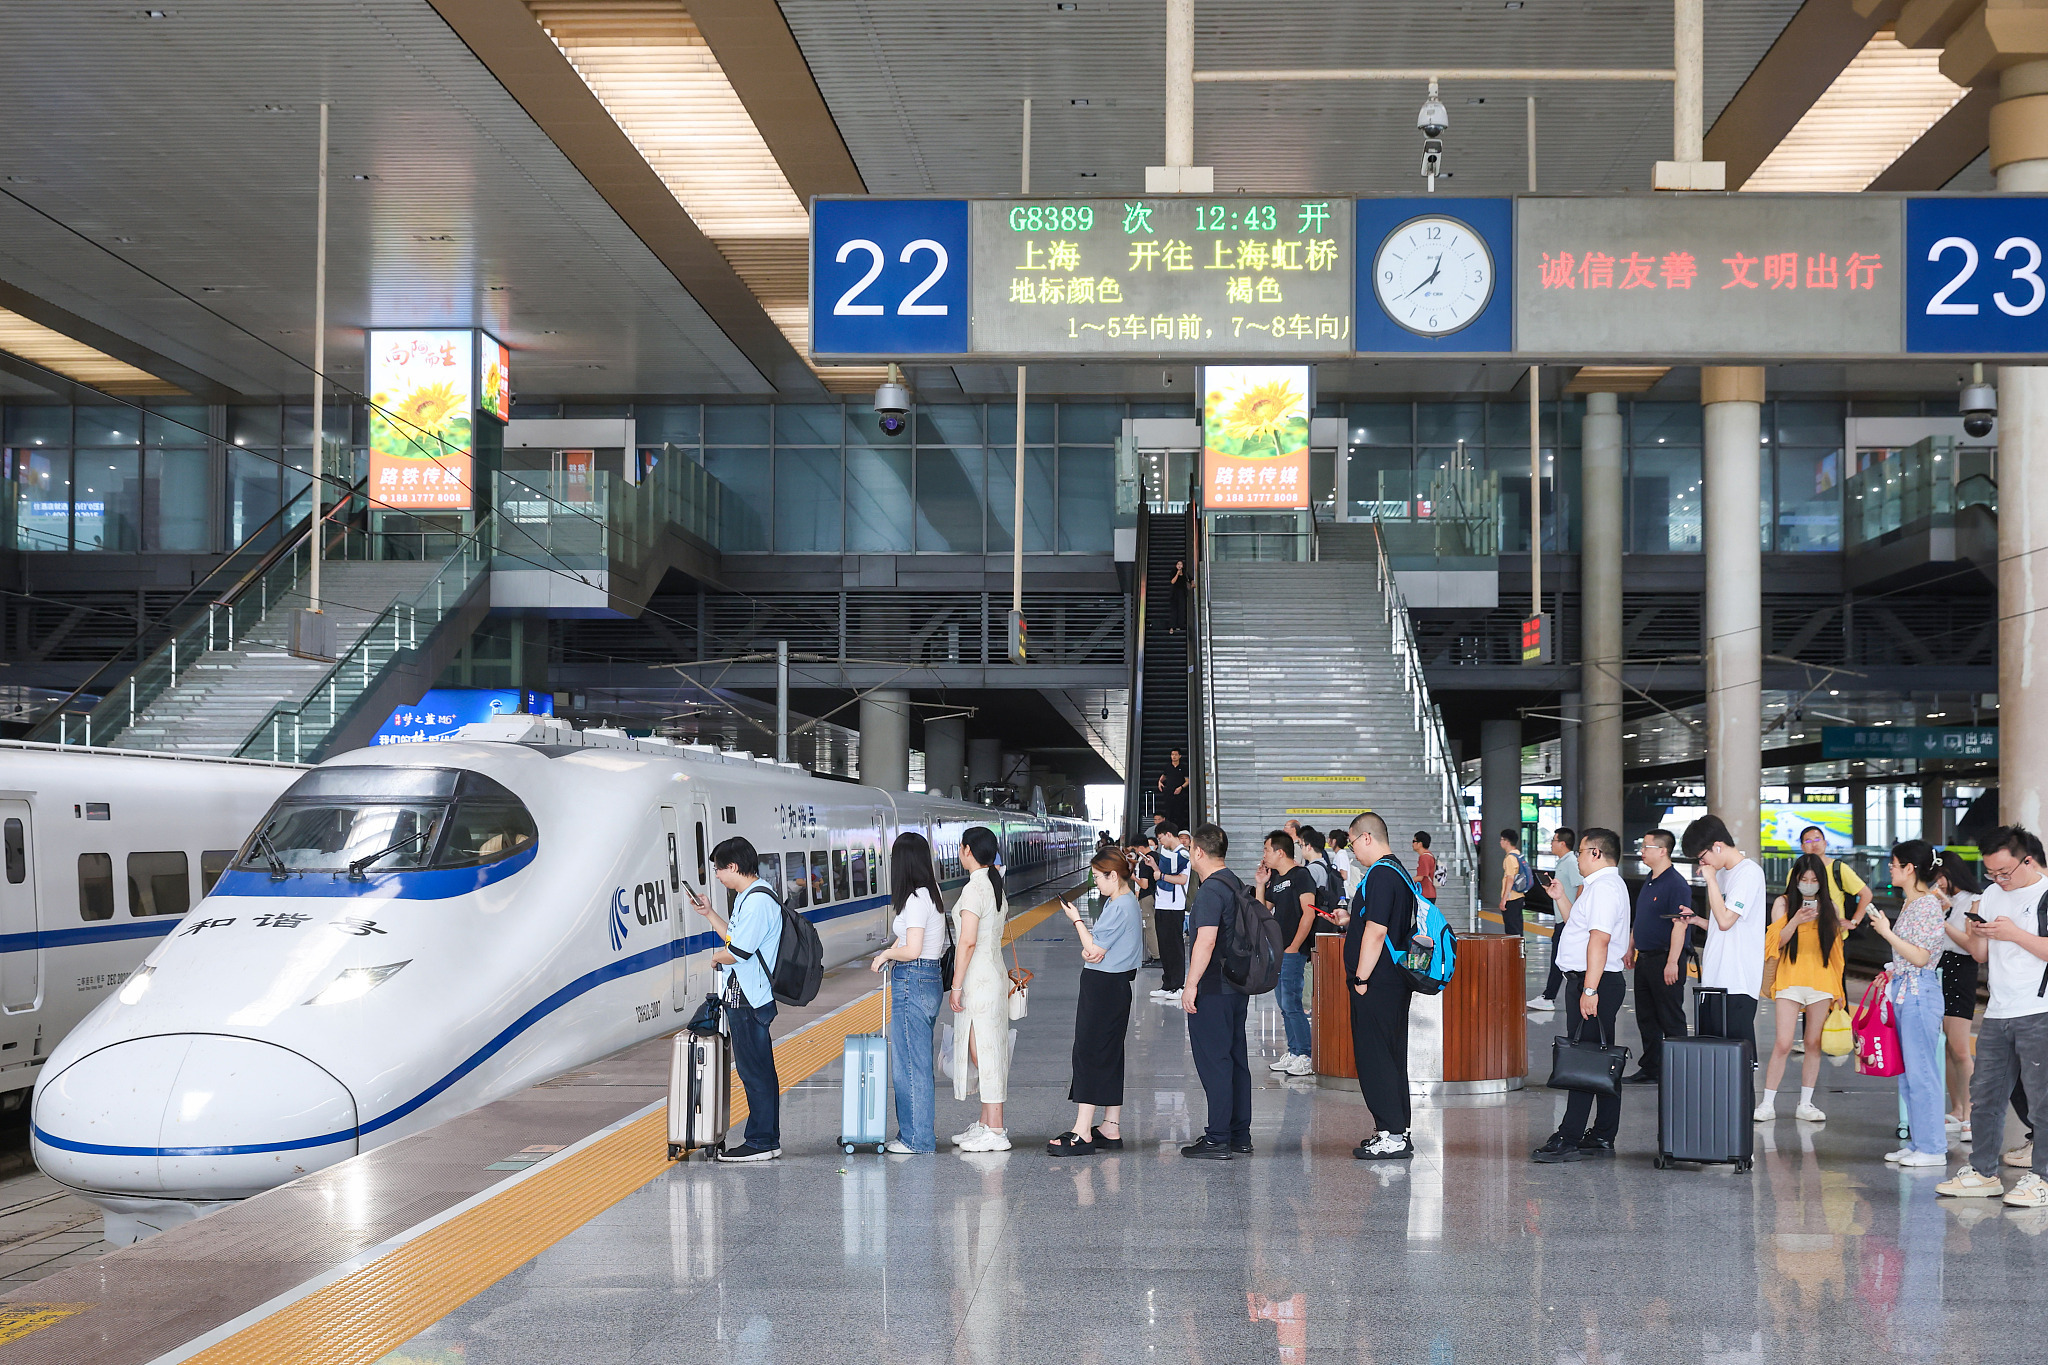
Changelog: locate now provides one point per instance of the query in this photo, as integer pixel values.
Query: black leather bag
(705, 1020)
(1586, 1064)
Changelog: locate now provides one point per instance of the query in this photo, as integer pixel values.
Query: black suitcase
(1704, 1101)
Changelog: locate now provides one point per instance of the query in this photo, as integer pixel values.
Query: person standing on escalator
(1177, 599)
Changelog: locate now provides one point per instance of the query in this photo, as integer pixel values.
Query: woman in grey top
(1110, 954)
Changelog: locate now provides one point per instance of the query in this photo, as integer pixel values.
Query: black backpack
(1329, 887)
(799, 957)
(1250, 941)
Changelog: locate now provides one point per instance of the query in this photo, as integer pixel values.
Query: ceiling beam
(760, 57)
(1945, 150)
(1822, 39)
(515, 49)
(47, 314)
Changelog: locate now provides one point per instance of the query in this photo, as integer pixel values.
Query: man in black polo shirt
(1216, 1013)
(1381, 911)
(1290, 890)
(1657, 955)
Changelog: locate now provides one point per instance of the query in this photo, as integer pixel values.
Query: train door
(879, 856)
(672, 868)
(21, 965)
(697, 868)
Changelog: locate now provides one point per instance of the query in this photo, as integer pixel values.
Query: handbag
(1837, 1039)
(1587, 1064)
(707, 1018)
(1020, 987)
(1876, 1025)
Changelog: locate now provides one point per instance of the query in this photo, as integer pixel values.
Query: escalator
(1159, 673)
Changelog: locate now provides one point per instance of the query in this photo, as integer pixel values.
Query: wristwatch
(1590, 991)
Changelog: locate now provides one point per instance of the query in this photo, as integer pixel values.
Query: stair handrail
(1201, 714)
(1134, 726)
(284, 729)
(159, 670)
(1426, 715)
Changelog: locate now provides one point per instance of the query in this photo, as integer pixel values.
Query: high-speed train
(101, 852)
(411, 933)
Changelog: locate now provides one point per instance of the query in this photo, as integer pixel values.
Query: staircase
(1162, 718)
(225, 694)
(1322, 710)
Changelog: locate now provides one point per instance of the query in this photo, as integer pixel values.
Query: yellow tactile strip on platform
(364, 1316)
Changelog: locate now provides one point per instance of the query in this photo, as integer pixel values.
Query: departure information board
(1241, 275)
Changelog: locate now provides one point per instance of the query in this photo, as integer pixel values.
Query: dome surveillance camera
(892, 403)
(1978, 403)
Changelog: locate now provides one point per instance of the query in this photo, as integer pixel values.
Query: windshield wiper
(278, 872)
(355, 869)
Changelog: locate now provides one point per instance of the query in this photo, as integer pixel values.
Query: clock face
(1433, 275)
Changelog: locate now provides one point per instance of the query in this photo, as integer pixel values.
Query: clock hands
(1436, 271)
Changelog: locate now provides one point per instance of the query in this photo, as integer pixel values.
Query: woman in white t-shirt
(1955, 882)
(915, 989)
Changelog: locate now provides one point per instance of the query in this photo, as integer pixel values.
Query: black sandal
(1106, 1142)
(1070, 1144)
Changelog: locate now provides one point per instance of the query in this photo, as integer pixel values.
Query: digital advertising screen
(423, 407)
(1255, 437)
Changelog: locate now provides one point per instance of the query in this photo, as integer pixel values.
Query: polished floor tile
(1821, 1254)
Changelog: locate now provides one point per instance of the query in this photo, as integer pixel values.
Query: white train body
(101, 852)
(299, 1017)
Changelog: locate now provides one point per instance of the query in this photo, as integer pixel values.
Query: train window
(212, 863)
(99, 810)
(860, 873)
(325, 836)
(821, 878)
(158, 884)
(489, 823)
(842, 880)
(374, 783)
(798, 882)
(700, 853)
(770, 871)
(95, 886)
(17, 854)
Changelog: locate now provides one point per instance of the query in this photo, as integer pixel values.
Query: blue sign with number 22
(889, 277)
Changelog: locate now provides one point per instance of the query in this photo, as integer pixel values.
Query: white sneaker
(1286, 1063)
(1158, 992)
(2020, 1157)
(1924, 1159)
(988, 1140)
(896, 1148)
(1170, 998)
(1809, 1113)
(1538, 1005)
(1302, 1067)
(2030, 1193)
(1766, 1112)
(1899, 1155)
(974, 1129)
(1967, 1183)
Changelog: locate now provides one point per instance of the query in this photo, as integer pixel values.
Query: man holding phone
(1657, 955)
(754, 939)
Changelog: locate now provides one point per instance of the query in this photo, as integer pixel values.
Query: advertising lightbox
(494, 389)
(1255, 437)
(423, 405)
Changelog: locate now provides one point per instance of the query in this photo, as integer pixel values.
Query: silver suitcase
(699, 1093)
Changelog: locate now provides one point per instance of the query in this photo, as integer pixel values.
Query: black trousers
(1607, 1119)
(1216, 1036)
(1660, 1011)
(1173, 962)
(1379, 1045)
(1102, 1017)
(1554, 982)
(1511, 917)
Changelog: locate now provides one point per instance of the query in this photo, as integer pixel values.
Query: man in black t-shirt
(1381, 912)
(1216, 1013)
(1289, 888)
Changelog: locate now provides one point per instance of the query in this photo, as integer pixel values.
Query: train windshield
(389, 820)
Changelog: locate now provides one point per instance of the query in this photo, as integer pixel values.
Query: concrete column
(2019, 158)
(984, 763)
(1733, 397)
(1500, 798)
(1600, 541)
(1570, 776)
(945, 755)
(885, 739)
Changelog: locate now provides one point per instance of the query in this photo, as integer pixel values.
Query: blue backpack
(1525, 876)
(1428, 969)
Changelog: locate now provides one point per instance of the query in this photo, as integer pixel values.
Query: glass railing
(590, 520)
(297, 732)
(260, 574)
(1455, 513)
(1915, 487)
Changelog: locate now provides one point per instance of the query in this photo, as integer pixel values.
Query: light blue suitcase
(864, 1087)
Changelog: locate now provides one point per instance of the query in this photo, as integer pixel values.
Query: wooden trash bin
(1331, 1021)
(1486, 1034)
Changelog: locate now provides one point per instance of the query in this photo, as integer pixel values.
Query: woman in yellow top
(1807, 945)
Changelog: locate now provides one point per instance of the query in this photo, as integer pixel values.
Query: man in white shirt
(1737, 910)
(1169, 913)
(1592, 950)
(2006, 933)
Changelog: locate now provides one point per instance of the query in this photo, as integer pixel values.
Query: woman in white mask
(1805, 939)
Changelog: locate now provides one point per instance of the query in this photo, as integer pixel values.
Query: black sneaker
(1207, 1149)
(1242, 1148)
(1593, 1146)
(748, 1152)
(1557, 1149)
(1385, 1147)
(1640, 1078)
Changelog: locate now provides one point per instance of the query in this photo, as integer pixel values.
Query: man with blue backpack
(1517, 880)
(1379, 922)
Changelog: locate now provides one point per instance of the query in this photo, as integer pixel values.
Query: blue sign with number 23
(1975, 282)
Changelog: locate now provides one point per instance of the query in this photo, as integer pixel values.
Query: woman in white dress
(980, 993)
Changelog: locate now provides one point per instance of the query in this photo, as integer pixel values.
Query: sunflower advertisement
(1255, 437)
(422, 420)
(495, 394)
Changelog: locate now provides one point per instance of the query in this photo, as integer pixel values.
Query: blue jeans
(1920, 1044)
(1293, 975)
(914, 1008)
(753, 1056)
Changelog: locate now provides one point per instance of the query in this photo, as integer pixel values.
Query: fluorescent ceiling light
(655, 75)
(1616, 378)
(76, 360)
(1885, 98)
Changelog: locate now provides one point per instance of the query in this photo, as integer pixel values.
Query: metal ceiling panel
(158, 181)
(927, 93)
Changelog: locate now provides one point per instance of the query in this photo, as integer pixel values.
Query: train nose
(191, 1115)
